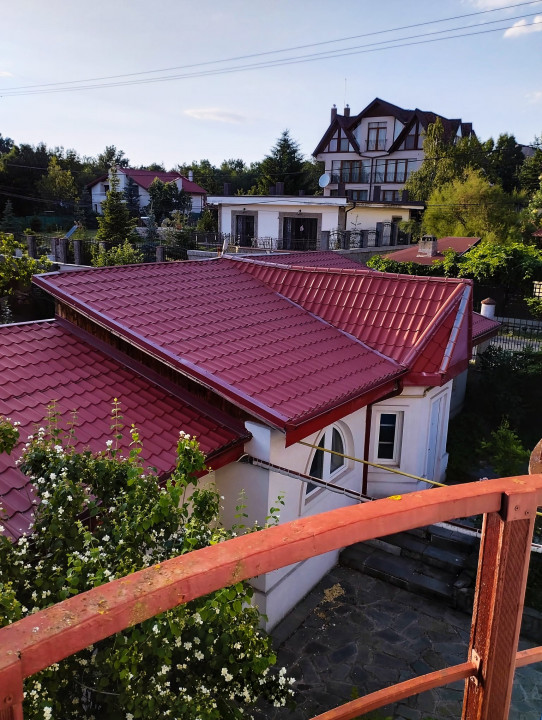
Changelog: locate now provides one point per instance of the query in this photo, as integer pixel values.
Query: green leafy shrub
(124, 254)
(103, 516)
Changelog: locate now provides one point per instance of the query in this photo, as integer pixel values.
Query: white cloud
(535, 96)
(5, 73)
(216, 115)
(522, 27)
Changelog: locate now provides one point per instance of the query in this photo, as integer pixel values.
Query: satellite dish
(324, 180)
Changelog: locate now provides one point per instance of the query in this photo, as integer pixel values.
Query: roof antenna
(344, 104)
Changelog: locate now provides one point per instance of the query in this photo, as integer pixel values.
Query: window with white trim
(389, 436)
(325, 465)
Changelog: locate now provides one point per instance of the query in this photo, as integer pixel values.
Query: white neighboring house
(283, 222)
(141, 180)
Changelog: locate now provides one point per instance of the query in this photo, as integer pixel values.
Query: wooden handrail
(50, 635)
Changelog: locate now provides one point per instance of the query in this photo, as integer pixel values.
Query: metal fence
(516, 334)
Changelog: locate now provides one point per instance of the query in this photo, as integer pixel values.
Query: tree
(470, 206)
(16, 270)
(9, 223)
(283, 164)
(115, 225)
(124, 254)
(102, 516)
(513, 266)
(505, 162)
(58, 186)
(530, 173)
(6, 143)
(167, 198)
(111, 157)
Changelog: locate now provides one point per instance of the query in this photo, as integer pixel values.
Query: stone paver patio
(354, 634)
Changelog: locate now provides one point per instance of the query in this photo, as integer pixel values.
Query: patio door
(244, 230)
(299, 233)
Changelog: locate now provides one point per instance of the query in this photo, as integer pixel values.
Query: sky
(213, 109)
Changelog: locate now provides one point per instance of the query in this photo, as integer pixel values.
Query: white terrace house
(139, 182)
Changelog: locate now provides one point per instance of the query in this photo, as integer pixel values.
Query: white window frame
(327, 475)
(395, 460)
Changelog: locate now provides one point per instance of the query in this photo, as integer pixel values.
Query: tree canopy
(115, 224)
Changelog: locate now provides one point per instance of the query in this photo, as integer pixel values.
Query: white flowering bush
(100, 516)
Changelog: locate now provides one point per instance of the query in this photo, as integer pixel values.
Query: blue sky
(492, 79)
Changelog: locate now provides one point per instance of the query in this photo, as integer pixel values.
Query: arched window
(325, 465)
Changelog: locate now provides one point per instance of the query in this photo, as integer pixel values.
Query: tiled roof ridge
(435, 323)
(352, 271)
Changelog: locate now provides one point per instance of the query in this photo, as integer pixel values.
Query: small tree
(504, 451)
(9, 223)
(283, 164)
(206, 659)
(124, 254)
(58, 186)
(115, 225)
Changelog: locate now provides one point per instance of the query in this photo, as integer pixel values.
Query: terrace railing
(509, 507)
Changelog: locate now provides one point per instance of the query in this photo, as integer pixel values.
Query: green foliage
(379, 262)
(513, 266)
(283, 164)
(166, 198)
(469, 206)
(16, 272)
(115, 225)
(58, 185)
(208, 221)
(531, 172)
(535, 306)
(9, 223)
(9, 435)
(505, 451)
(103, 516)
(124, 254)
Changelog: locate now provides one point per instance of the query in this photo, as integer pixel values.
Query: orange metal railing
(509, 506)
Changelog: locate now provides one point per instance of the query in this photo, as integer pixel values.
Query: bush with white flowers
(100, 516)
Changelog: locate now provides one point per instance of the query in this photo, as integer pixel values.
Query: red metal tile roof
(225, 328)
(42, 362)
(410, 254)
(483, 328)
(318, 258)
(145, 178)
(395, 315)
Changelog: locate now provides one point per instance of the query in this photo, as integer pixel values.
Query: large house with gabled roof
(371, 155)
(270, 362)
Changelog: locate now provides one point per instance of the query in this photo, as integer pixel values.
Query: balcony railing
(509, 508)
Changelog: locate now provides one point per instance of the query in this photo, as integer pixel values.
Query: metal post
(505, 551)
(77, 252)
(160, 253)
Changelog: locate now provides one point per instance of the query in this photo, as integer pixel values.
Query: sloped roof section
(231, 332)
(459, 245)
(42, 363)
(145, 178)
(317, 258)
(396, 315)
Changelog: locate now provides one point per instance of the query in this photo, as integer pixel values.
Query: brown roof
(459, 245)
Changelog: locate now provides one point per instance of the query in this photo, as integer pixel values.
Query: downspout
(367, 443)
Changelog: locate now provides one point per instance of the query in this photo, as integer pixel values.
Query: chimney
(347, 111)
(488, 308)
(301, 192)
(279, 188)
(191, 175)
(227, 189)
(427, 247)
(272, 190)
(333, 113)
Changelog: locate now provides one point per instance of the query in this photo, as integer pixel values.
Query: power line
(341, 52)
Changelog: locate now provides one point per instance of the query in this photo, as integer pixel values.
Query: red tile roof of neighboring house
(145, 178)
(410, 254)
(483, 328)
(318, 258)
(43, 362)
(290, 345)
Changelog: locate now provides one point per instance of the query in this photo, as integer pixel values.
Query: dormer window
(376, 138)
(414, 139)
(339, 142)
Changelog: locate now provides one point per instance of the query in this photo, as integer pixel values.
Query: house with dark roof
(139, 182)
(271, 364)
(430, 250)
(371, 155)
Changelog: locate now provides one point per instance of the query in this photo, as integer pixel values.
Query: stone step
(405, 572)
(452, 540)
(407, 544)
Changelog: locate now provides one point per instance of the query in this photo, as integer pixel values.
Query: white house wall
(278, 592)
(366, 218)
(268, 217)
